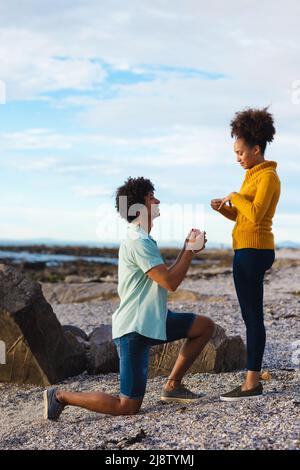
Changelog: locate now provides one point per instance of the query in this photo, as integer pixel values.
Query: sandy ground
(270, 422)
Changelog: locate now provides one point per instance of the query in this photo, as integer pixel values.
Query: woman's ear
(256, 150)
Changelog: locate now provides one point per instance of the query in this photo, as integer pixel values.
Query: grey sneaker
(237, 394)
(180, 394)
(52, 407)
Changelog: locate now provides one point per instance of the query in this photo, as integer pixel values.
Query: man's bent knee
(202, 326)
(210, 326)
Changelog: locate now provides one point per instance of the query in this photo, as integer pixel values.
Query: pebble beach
(269, 422)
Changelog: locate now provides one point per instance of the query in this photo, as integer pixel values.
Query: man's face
(152, 204)
(246, 156)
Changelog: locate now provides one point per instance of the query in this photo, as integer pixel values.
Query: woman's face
(246, 156)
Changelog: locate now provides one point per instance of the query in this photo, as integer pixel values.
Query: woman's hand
(226, 199)
(215, 203)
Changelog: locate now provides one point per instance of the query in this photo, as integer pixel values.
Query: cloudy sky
(94, 91)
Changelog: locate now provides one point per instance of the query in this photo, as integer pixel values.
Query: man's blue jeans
(133, 350)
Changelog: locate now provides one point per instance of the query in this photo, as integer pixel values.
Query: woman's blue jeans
(249, 267)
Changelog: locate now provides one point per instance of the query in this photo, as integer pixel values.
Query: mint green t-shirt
(143, 306)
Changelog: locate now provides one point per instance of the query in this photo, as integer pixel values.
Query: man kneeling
(143, 319)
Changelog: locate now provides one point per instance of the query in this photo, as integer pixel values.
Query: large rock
(186, 295)
(37, 350)
(76, 335)
(183, 295)
(76, 331)
(222, 354)
(102, 356)
(66, 293)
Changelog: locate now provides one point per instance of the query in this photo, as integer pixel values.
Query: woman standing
(252, 209)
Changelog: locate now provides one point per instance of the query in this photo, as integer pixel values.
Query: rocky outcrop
(66, 293)
(102, 356)
(37, 350)
(183, 295)
(75, 279)
(40, 351)
(222, 354)
(75, 334)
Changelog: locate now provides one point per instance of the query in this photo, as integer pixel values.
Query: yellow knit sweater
(254, 206)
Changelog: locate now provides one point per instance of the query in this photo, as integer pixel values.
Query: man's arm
(170, 278)
(181, 252)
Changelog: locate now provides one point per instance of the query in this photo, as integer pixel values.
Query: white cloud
(286, 227)
(214, 37)
(91, 191)
(181, 147)
(174, 129)
(24, 222)
(104, 224)
(35, 139)
(33, 62)
(32, 164)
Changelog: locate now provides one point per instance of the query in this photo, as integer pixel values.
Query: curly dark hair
(255, 126)
(136, 189)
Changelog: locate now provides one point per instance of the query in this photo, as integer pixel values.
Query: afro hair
(255, 126)
(135, 189)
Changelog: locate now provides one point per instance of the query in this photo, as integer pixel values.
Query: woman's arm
(255, 210)
(228, 211)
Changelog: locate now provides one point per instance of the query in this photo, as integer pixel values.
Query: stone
(76, 331)
(73, 279)
(183, 295)
(34, 265)
(222, 354)
(101, 334)
(265, 375)
(102, 356)
(66, 293)
(73, 333)
(37, 350)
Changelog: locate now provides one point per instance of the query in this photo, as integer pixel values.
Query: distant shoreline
(103, 248)
(44, 256)
(88, 251)
(107, 251)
